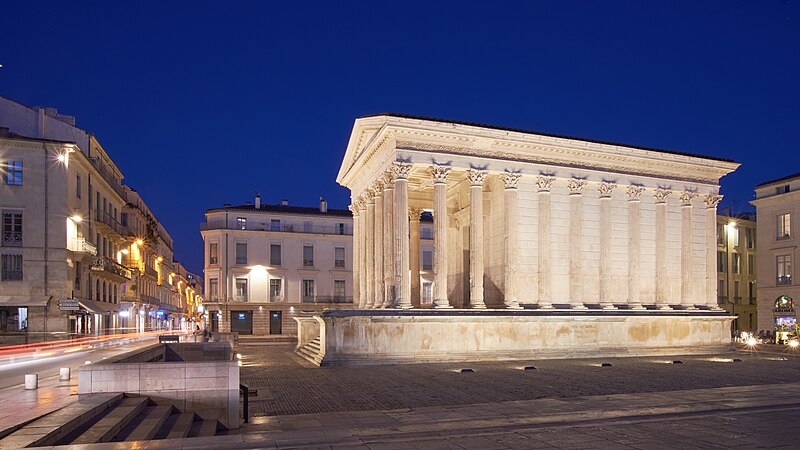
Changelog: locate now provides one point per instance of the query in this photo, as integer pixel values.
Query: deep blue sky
(202, 104)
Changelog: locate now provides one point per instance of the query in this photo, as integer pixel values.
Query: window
(77, 275)
(97, 290)
(12, 228)
(308, 227)
(782, 189)
(123, 218)
(12, 267)
(751, 292)
(784, 263)
(427, 292)
(213, 253)
(78, 185)
(241, 223)
(736, 296)
(426, 233)
(427, 260)
(736, 232)
(308, 256)
(750, 238)
(241, 289)
(723, 295)
(275, 254)
(784, 226)
(115, 293)
(213, 288)
(275, 288)
(751, 264)
(338, 290)
(241, 253)
(12, 175)
(339, 256)
(722, 262)
(308, 291)
(275, 225)
(720, 233)
(341, 228)
(105, 293)
(737, 263)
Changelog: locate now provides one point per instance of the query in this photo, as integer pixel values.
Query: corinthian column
(401, 268)
(662, 293)
(543, 184)
(511, 219)
(413, 218)
(711, 200)
(388, 242)
(476, 178)
(686, 250)
(606, 300)
(634, 247)
(439, 174)
(575, 187)
(362, 251)
(378, 244)
(370, 241)
(356, 260)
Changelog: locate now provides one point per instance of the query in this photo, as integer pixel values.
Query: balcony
(785, 280)
(283, 228)
(110, 267)
(81, 245)
(150, 271)
(106, 175)
(12, 238)
(327, 299)
(107, 222)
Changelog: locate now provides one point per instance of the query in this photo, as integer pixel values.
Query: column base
(637, 307)
(690, 308)
(607, 306)
(578, 306)
(716, 308)
(443, 307)
(480, 305)
(546, 306)
(513, 305)
(408, 306)
(664, 308)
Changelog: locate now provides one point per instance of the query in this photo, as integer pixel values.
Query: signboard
(69, 304)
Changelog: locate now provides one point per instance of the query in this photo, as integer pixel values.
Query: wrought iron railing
(108, 265)
(286, 228)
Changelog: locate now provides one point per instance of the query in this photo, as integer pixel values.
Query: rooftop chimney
(323, 205)
(258, 200)
(284, 202)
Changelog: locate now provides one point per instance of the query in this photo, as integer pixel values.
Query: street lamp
(730, 228)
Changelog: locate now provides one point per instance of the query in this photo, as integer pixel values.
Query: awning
(98, 307)
(24, 300)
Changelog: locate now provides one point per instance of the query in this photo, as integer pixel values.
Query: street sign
(69, 304)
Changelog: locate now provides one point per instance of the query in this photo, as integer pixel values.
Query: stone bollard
(31, 381)
(64, 374)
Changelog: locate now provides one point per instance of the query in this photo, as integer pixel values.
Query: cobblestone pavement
(289, 385)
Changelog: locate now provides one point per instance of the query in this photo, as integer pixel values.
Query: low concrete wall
(381, 337)
(209, 388)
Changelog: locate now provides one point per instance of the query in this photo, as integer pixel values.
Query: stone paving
(288, 384)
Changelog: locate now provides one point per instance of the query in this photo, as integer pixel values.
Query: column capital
(354, 209)
(360, 203)
(476, 177)
(510, 179)
(544, 182)
(661, 195)
(414, 213)
(388, 180)
(575, 186)
(606, 189)
(712, 200)
(686, 198)
(377, 187)
(634, 192)
(369, 196)
(401, 170)
(440, 173)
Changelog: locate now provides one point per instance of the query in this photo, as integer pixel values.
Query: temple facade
(523, 219)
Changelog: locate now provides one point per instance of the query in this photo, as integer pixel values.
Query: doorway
(242, 322)
(275, 322)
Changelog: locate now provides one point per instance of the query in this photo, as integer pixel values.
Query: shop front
(786, 327)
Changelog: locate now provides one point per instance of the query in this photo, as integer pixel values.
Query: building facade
(737, 269)
(63, 234)
(530, 219)
(777, 207)
(265, 264)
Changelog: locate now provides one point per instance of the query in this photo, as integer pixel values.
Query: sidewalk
(21, 406)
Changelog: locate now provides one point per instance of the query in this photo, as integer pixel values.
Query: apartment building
(777, 206)
(737, 269)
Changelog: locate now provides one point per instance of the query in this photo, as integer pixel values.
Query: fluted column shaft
(440, 243)
(378, 237)
(356, 259)
(413, 216)
(634, 247)
(388, 242)
(662, 292)
(511, 250)
(362, 253)
(686, 250)
(575, 243)
(402, 275)
(370, 241)
(711, 200)
(545, 242)
(606, 300)
(476, 178)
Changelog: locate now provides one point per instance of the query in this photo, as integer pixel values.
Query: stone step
(181, 425)
(207, 428)
(154, 419)
(313, 345)
(113, 422)
(307, 353)
(54, 426)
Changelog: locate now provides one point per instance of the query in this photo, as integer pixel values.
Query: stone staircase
(109, 418)
(311, 351)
